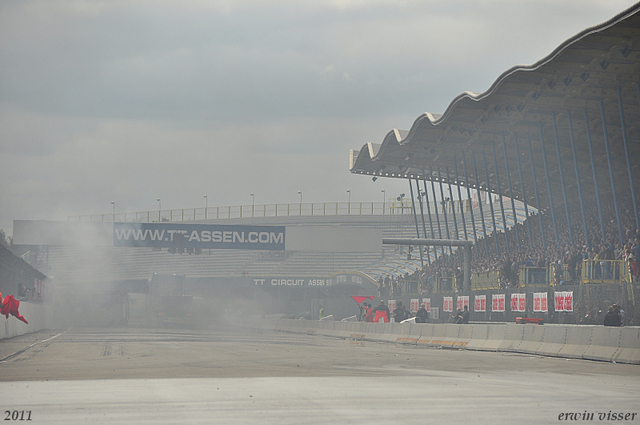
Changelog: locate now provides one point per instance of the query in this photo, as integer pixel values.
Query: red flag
(360, 298)
(9, 306)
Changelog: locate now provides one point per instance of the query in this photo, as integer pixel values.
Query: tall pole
(206, 205)
(114, 210)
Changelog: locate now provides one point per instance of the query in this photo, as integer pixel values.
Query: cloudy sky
(129, 101)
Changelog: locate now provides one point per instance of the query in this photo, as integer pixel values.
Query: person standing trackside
(381, 313)
(422, 315)
(612, 318)
(399, 314)
(369, 317)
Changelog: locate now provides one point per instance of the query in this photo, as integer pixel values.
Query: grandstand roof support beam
(548, 178)
(424, 226)
(593, 170)
(466, 179)
(626, 151)
(613, 184)
(562, 184)
(493, 215)
(415, 218)
(513, 204)
(504, 217)
(484, 226)
(535, 188)
(524, 195)
(426, 200)
(575, 163)
(461, 204)
(466, 285)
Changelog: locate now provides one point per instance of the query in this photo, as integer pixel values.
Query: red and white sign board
(392, 306)
(480, 303)
(563, 300)
(415, 304)
(427, 304)
(497, 303)
(518, 302)
(462, 301)
(540, 302)
(447, 304)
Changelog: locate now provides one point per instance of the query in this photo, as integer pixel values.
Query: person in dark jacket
(399, 314)
(422, 315)
(612, 318)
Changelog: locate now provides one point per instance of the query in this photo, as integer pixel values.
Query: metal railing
(606, 271)
(246, 211)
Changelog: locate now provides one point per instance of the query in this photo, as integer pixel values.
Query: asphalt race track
(230, 376)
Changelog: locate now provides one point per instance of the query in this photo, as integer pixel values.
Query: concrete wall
(35, 315)
(590, 342)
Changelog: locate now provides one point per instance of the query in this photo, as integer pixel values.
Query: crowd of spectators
(547, 246)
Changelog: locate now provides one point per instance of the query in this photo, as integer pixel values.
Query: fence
(266, 210)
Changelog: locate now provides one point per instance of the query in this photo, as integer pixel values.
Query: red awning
(360, 298)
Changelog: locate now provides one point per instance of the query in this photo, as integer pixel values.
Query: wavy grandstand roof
(587, 77)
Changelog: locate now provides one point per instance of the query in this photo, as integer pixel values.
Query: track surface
(221, 376)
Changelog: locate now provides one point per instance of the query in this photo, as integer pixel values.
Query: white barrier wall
(34, 313)
(612, 344)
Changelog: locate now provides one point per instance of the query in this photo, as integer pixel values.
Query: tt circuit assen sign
(168, 235)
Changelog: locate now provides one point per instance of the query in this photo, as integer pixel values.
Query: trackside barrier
(426, 334)
(512, 337)
(629, 351)
(577, 342)
(532, 335)
(479, 336)
(34, 313)
(604, 344)
(571, 341)
(553, 340)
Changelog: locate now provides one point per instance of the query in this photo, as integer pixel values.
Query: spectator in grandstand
(612, 318)
(399, 313)
(422, 315)
(381, 312)
(634, 268)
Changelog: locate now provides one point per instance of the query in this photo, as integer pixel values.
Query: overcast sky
(129, 101)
